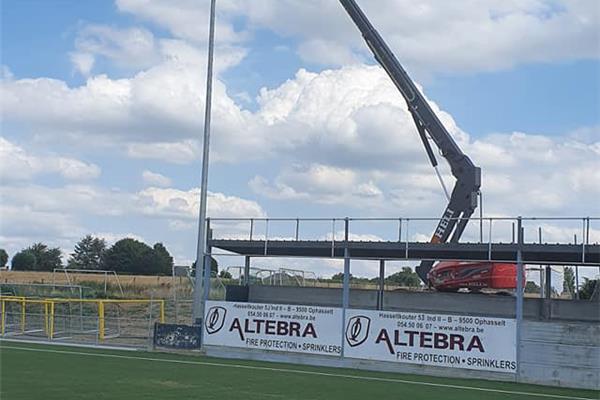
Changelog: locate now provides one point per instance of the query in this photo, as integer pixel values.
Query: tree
(590, 289)
(339, 277)
(569, 281)
(214, 267)
(161, 262)
(24, 260)
(47, 259)
(88, 253)
(3, 258)
(128, 256)
(134, 257)
(531, 287)
(224, 274)
(406, 277)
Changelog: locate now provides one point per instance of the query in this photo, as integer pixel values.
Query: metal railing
(410, 230)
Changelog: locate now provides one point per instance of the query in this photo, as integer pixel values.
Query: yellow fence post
(51, 334)
(23, 316)
(3, 318)
(101, 320)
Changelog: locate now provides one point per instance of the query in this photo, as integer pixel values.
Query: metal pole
(490, 242)
(207, 264)
(519, 303)
(480, 217)
(198, 309)
(346, 282)
(541, 268)
(400, 229)
(333, 237)
(381, 284)
(513, 232)
(246, 281)
(577, 282)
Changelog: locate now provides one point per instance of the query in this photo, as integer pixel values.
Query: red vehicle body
(454, 275)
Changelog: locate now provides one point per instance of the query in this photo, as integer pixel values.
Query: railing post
(251, 227)
(587, 232)
(583, 240)
(399, 229)
(266, 234)
(480, 216)
(490, 242)
(333, 236)
(513, 233)
(297, 228)
(406, 244)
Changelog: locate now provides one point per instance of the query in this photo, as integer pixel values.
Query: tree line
(128, 256)
(406, 277)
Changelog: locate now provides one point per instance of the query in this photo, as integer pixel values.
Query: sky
(102, 107)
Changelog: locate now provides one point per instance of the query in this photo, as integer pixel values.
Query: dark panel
(177, 336)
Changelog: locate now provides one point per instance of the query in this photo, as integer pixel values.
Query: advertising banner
(277, 327)
(456, 341)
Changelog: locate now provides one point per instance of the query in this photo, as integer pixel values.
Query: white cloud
(18, 164)
(326, 52)
(155, 179)
(131, 48)
(433, 36)
(183, 152)
(443, 36)
(318, 183)
(186, 203)
(188, 19)
(82, 62)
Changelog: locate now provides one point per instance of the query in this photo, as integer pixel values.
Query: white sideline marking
(299, 371)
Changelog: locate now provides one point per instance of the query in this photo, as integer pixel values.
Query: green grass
(29, 371)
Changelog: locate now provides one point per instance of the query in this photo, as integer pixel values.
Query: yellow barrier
(49, 311)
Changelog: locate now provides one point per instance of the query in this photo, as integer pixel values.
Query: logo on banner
(215, 319)
(357, 330)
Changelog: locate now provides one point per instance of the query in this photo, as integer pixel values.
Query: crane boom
(463, 199)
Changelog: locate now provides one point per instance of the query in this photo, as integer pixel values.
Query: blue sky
(103, 104)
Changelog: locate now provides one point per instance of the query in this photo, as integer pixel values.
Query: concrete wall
(473, 304)
(561, 354)
(560, 344)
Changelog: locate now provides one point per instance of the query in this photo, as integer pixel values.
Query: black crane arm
(463, 199)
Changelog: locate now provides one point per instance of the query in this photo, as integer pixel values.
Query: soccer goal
(110, 321)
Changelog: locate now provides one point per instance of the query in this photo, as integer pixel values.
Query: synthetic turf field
(33, 371)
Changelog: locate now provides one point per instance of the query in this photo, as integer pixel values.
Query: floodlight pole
(198, 309)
